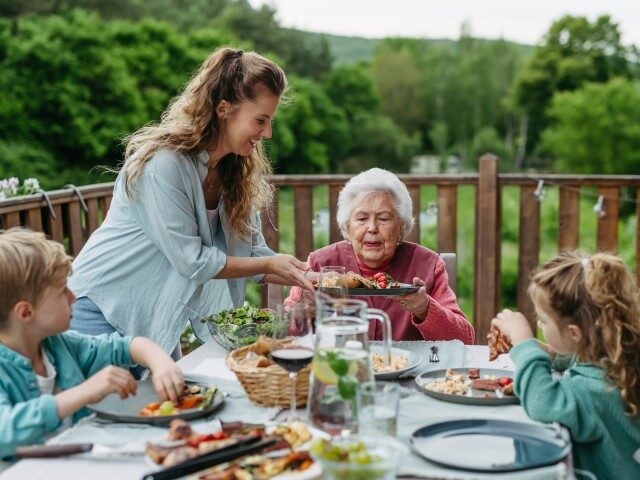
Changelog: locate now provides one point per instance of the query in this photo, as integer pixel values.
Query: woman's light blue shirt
(157, 250)
(26, 416)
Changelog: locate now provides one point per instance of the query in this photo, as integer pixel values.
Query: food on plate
(193, 396)
(296, 433)
(488, 384)
(185, 444)
(498, 343)
(457, 383)
(260, 467)
(473, 373)
(353, 280)
(398, 362)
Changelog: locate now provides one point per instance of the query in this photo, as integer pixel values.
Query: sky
(519, 21)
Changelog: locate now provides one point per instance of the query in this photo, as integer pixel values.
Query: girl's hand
(109, 380)
(291, 270)
(167, 379)
(514, 325)
(416, 303)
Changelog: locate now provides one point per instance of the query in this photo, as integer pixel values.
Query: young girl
(590, 307)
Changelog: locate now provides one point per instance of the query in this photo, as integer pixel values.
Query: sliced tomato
(504, 381)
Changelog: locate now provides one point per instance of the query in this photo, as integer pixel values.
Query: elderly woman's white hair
(375, 180)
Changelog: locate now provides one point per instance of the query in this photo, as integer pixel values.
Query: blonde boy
(49, 374)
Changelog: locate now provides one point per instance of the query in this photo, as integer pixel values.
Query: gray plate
(403, 289)
(413, 360)
(112, 407)
(490, 445)
(478, 397)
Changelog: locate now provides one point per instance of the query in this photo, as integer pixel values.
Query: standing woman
(184, 214)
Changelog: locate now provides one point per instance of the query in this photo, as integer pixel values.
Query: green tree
(574, 51)
(310, 133)
(595, 129)
(377, 141)
(61, 87)
(350, 87)
(397, 78)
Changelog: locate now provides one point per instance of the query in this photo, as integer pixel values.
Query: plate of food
(491, 446)
(288, 459)
(401, 361)
(381, 284)
(198, 400)
(469, 386)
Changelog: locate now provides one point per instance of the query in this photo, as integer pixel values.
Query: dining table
(118, 448)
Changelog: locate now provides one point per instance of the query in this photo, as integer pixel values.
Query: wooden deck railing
(67, 221)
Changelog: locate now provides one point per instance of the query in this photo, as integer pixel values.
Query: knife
(52, 451)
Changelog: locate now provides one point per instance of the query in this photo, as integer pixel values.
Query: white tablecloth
(206, 364)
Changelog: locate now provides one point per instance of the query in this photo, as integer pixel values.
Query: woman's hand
(416, 303)
(514, 325)
(291, 270)
(167, 379)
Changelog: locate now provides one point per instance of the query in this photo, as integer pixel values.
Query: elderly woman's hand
(417, 303)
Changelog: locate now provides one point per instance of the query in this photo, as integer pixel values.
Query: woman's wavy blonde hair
(599, 295)
(190, 125)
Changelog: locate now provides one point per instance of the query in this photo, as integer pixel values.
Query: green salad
(240, 326)
(352, 461)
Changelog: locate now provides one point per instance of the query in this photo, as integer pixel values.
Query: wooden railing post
(528, 247)
(487, 247)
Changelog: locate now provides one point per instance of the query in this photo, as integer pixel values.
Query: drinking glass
(292, 346)
(337, 290)
(378, 405)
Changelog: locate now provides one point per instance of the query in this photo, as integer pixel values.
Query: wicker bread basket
(268, 386)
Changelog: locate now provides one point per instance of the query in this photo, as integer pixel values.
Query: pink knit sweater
(444, 320)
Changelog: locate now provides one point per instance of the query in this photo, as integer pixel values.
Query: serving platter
(473, 397)
(127, 410)
(491, 446)
(403, 289)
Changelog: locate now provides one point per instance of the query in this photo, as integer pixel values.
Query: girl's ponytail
(614, 290)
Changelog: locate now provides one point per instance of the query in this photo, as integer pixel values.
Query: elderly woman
(374, 216)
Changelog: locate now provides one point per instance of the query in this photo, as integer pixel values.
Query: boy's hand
(167, 379)
(110, 379)
(514, 325)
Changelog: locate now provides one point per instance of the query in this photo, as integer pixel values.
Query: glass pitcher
(341, 361)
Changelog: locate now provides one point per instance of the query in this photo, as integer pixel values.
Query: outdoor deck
(70, 218)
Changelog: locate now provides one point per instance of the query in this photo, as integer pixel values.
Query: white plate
(413, 360)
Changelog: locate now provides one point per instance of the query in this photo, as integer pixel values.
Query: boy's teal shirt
(604, 437)
(26, 416)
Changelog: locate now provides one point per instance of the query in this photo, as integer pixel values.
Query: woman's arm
(278, 269)
(438, 316)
